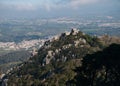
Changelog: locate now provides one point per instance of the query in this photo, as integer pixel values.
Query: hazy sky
(57, 8)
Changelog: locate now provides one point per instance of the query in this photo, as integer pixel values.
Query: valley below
(53, 47)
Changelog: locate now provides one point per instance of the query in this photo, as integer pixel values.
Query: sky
(57, 8)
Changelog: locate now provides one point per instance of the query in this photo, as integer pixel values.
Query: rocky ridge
(55, 60)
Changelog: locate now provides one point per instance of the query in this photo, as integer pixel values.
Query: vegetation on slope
(11, 59)
(56, 61)
(99, 69)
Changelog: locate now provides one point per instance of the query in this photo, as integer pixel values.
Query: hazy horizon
(57, 8)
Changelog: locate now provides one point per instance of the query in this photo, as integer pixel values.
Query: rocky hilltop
(56, 62)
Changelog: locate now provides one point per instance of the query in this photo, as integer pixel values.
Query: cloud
(47, 5)
(50, 5)
(18, 6)
(55, 4)
(25, 6)
(44, 4)
(77, 3)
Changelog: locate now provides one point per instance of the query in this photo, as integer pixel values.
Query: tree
(100, 69)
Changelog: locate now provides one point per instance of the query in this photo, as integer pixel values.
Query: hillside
(56, 61)
(11, 59)
(103, 67)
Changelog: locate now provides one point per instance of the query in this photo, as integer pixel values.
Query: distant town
(22, 45)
